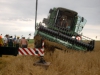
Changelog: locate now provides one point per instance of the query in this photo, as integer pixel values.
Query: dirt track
(62, 63)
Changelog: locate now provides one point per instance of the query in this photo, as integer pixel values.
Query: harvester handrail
(86, 37)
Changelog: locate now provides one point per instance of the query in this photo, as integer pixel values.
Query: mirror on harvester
(82, 19)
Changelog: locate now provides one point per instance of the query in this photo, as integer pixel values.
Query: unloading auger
(64, 26)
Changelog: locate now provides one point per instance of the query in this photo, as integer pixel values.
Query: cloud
(18, 16)
(16, 8)
(17, 28)
(91, 31)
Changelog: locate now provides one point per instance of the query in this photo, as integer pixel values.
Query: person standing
(5, 40)
(14, 40)
(17, 42)
(10, 42)
(1, 35)
(1, 41)
(24, 42)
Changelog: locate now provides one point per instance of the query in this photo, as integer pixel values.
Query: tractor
(63, 29)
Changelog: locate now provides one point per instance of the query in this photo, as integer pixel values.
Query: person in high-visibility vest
(1, 35)
(1, 41)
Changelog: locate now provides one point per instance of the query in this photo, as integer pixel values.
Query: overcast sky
(17, 16)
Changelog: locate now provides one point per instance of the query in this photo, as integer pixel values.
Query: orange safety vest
(0, 36)
(1, 42)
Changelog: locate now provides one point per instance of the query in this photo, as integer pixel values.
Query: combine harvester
(63, 27)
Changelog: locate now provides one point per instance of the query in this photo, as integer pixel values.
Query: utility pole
(36, 13)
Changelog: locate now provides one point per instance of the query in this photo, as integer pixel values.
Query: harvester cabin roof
(67, 12)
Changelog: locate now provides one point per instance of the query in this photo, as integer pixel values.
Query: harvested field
(62, 63)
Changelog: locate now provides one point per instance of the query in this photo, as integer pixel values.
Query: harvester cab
(61, 26)
(65, 19)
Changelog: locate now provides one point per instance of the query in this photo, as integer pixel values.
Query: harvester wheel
(47, 44)
(37, 42)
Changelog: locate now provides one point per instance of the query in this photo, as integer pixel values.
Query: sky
(17, 17)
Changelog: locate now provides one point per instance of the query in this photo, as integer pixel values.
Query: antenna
(36, 13)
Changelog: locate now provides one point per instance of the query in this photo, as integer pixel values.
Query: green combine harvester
(64, 26)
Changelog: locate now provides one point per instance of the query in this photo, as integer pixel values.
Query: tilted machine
(64, 26)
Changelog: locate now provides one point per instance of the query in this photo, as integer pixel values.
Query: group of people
(9, 41)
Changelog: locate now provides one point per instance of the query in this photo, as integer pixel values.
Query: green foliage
(31, 41)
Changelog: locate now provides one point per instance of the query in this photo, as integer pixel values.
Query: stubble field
(62, 63)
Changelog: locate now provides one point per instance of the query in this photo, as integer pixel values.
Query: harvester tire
(37, 42)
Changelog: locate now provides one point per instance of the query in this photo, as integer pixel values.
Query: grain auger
(64, 26)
